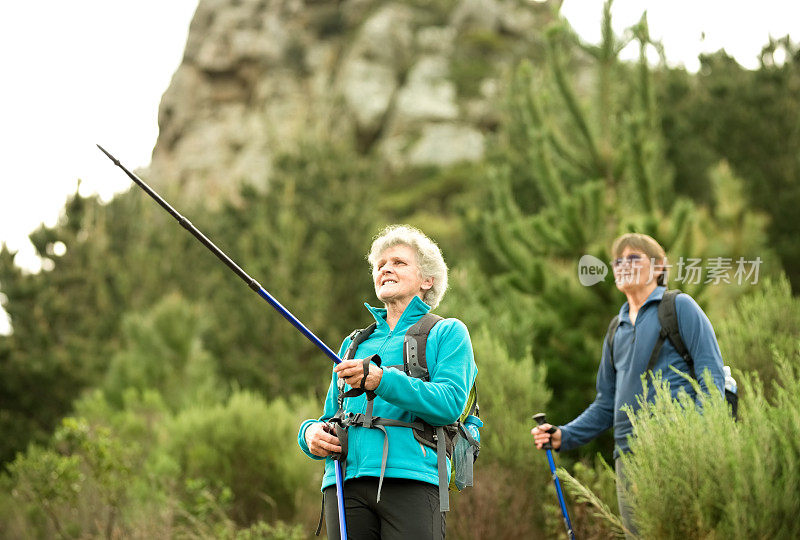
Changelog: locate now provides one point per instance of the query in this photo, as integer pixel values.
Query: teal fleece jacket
(440, 401)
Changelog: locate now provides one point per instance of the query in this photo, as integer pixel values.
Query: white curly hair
(429, 257)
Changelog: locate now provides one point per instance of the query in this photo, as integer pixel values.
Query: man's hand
(541, 436)
(352, 371)
(321, 441)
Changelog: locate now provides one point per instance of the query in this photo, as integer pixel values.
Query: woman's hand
(541, 436)
(352, 371)
(321, 441)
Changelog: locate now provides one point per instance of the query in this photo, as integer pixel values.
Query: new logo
(591, 270)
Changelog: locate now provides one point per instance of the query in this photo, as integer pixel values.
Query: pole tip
(112, 158)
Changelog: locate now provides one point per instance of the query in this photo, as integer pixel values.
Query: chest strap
(366, 420)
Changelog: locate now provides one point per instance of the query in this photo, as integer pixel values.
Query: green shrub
(41, 485)
(510, 392)
(591, 497)
(164, 351)
(142, 472)
(701, 475)
(502, 504)
(763, 324)
(77, 488)
(275, 531)
(249, 446)
(705, 476)
(141, 417)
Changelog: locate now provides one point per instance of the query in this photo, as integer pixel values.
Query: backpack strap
(414, 362)
(612, 329)
(668, 319)
(337, 422)
(441, 467)
(471, 408)
(416, 365)
(357, 337)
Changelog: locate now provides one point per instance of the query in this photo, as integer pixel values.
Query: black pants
(408, 509)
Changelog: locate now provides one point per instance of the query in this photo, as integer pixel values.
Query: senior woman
(391, 473)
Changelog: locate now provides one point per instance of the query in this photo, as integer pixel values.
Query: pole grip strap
(361, 389)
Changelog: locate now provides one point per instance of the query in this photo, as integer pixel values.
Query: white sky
(93, 71)
(689, 27)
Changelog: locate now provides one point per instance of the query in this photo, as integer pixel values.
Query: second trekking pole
(540, 419)
(253, 284)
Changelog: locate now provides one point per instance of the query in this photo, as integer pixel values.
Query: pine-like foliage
(749, 118)
(162, 397)
(581, 160)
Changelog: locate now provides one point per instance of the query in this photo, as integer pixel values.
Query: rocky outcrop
(416, 82)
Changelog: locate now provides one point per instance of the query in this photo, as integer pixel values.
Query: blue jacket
(439, 402)
(633, 345)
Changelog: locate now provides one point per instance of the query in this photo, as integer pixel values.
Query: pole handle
(540, 419)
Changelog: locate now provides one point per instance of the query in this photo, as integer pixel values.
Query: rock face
(416, 82)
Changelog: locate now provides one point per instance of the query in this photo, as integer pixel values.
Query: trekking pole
(540, 419)
(253, 284)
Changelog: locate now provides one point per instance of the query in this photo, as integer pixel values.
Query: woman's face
(397, 276)
(634, 271)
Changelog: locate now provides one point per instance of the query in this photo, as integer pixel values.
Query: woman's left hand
(352, 371)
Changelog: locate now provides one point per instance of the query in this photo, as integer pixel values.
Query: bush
(591, 498)
(503, 383)
(248, 446)
(213, 471)
(266, 531)
(503, 504)
(705, 476)
(764, 324)
(164, 351)
(78, 488)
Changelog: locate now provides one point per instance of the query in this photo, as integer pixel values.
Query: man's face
(634, 270)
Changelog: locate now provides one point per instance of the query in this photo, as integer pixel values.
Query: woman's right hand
(541, 436)
(321, 441)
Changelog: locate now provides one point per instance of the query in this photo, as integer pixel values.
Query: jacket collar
(413, 312)
(655, 296)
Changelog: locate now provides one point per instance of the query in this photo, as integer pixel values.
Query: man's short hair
(647, 245)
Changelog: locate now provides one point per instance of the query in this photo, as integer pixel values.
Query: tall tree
(580, 160)
(751, 119)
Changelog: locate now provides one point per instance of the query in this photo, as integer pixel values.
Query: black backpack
(668, 319)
